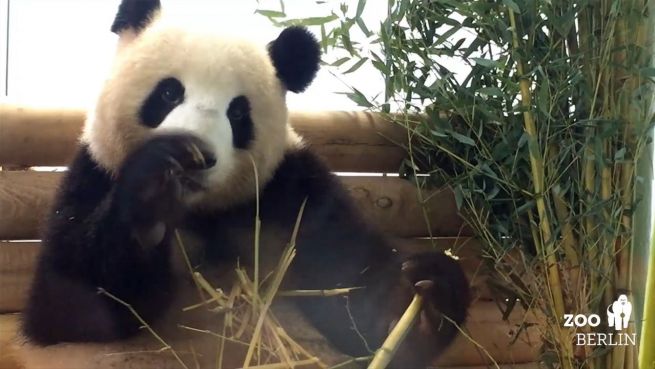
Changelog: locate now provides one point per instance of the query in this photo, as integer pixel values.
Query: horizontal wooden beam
(389, 203)
(25, 197)
(485, 324)
(348, 141)
(18, 263)
(17, 266)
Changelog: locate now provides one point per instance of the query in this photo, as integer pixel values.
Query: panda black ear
(134, 15)
(296, 55)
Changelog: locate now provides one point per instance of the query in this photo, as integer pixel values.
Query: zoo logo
(618, 313)
(618, 317)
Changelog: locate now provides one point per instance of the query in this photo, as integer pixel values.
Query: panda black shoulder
(301, 171)
(86, 172)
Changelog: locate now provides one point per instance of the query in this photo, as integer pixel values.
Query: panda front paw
(440, 280)
(156, 177)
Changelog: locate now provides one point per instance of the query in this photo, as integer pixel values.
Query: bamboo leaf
(356, 66)
(311, 21)
(360, 8)
(463, 139)
(362, 26)
(491, 91)
(271, 13)
(339, 62)
(512, 6)
(358, 98)
(487, 63)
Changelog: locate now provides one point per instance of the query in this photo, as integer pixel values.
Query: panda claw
(424, 285)
(408, 265)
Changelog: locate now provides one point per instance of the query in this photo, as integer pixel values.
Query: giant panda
(185, 127)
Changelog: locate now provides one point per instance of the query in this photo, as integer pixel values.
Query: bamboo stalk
(386, 352)
(318, 293)
(537, 170)
(258, 225)
(647, 357)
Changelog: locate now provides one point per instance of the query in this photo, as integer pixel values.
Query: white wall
(59, 50)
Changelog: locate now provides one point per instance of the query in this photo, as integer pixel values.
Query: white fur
(214, 69)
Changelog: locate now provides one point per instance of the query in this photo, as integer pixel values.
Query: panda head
(227, 91)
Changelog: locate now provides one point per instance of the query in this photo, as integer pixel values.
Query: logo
(618, 313)
(618, 317)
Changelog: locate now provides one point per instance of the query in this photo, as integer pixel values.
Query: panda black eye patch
(238, 112)
(168, 94)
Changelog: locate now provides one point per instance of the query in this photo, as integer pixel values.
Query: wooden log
(38, 137)
(348, 141)
(25, 197)
(353, 141)
(391, 204)
(487, 330)
(9, 325)
(17, 265)
(387, 202)
(18, 262)
(485, 324)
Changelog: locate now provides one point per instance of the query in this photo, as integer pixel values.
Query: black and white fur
(171, 145)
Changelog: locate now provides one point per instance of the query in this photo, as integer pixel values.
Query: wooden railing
(347, 141)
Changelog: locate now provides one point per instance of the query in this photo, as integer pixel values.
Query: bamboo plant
(539, 139)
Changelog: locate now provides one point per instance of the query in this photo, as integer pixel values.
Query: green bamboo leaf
(491, 91)
(347, 44)
(380, 66)
(487, 63)
(512, 6)
(647, 72)
(360, 8)
(363, 28)
(461, 138)
(358, 98)
(271, 13)
(311, 21)
(459, 197)
(339, 62)
(495, 190)
(324, 40)
(356, 65)
(446, 35)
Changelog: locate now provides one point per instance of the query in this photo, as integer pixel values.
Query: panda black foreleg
(113, 235)
(345, 254)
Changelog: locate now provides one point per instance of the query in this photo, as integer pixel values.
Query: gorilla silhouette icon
(618, 313)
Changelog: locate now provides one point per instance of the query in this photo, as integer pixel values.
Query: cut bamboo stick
(386, 352)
